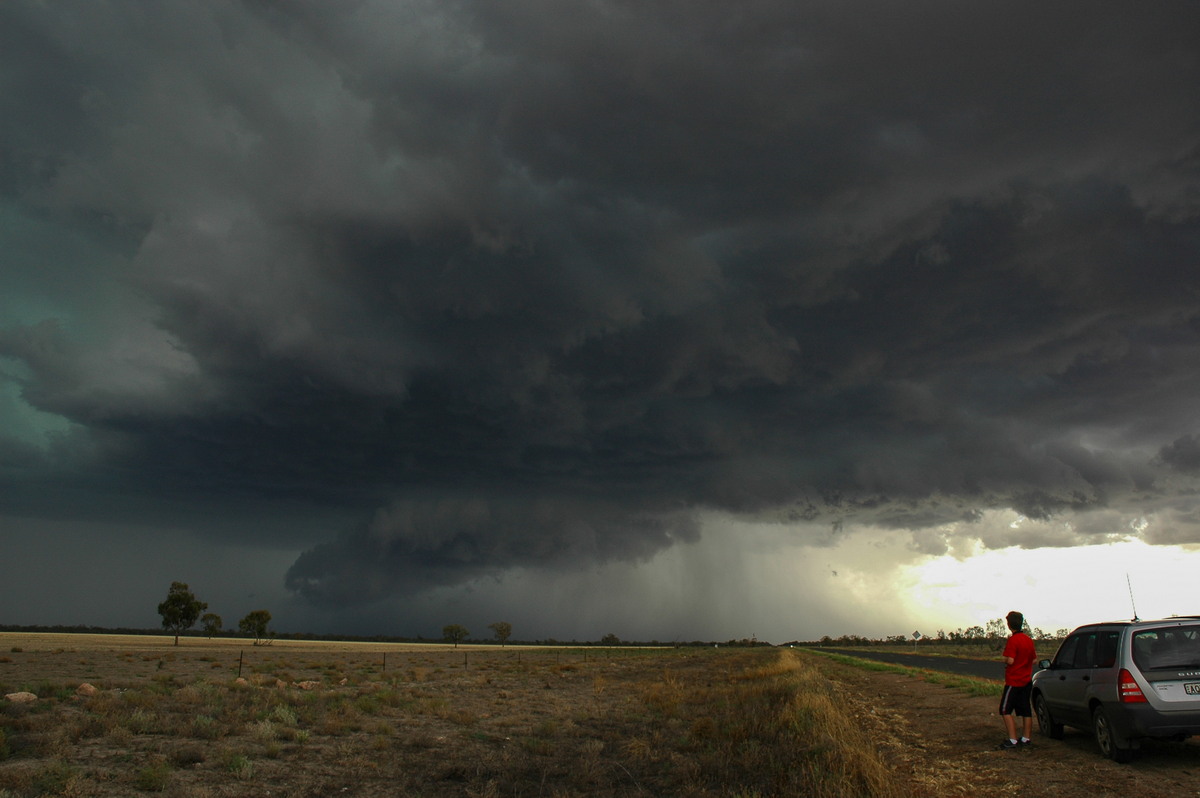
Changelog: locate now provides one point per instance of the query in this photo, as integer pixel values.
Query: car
(1125, 681)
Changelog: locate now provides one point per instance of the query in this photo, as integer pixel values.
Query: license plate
(1192, 688)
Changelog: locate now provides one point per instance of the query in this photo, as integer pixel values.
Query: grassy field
(321, 719)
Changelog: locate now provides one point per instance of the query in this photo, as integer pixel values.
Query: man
(1019, 656)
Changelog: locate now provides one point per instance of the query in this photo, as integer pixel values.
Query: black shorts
(1016, 699)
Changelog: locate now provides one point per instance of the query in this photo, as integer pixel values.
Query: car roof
(1139, 622)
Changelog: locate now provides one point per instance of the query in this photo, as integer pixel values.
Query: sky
(674, 321)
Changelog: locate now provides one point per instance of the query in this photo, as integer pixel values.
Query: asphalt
(981, 669)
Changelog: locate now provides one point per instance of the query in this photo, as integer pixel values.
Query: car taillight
(1129, 690)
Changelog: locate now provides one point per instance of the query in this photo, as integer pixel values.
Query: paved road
(981, 669)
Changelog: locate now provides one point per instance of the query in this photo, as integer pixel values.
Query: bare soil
(946, 742)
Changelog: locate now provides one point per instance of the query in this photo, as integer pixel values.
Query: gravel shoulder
(945, 743)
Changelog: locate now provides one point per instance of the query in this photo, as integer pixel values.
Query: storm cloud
(487, 287)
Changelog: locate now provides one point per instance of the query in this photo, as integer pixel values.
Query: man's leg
(1010, 725)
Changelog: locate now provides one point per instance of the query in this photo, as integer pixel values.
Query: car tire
(1045, 720)
(1106, 738)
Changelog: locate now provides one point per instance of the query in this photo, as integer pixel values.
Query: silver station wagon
(1126, 681)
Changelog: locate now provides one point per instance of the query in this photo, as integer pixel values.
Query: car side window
(1065, 658)
(1106, 649)
(1085, 652)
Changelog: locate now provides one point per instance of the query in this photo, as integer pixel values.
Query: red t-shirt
(1020, 648)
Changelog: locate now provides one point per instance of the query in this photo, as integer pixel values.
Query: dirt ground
(946, 742)
(481, 722)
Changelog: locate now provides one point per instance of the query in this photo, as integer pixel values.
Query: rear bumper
(1132, 721)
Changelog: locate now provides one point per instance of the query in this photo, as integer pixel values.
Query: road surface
(980, 669)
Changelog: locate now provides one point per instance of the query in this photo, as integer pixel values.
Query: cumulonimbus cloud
(532, 287)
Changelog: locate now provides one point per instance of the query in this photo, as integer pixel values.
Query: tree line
(993, 632)
(182, 610)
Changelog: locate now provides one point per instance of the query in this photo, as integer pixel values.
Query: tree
(255, 624)
(181, 609)
(997, 628)
(212, 623)
(502, 630)
(610, 639)
(455, 633)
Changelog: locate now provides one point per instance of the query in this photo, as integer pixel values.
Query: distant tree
(181, 609)
(255, 624)
(502, 630)
(610, 639)
(212, 623)
(455, 633)
(997, 628)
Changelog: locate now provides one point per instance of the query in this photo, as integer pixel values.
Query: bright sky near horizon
(671, 321)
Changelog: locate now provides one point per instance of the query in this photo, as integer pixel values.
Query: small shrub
(205, 727)
(55, 778)
(240, 766)
(153, 777)
(53, 690)
(285, 715)
(189, 695)
(141, 721)
(462, 717)
(187, 756)
(264, 730)
(537, 746)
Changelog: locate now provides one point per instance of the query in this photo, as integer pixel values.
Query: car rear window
(1173, 647)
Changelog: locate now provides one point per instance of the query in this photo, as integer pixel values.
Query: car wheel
(1046, 722)
(1106, 738)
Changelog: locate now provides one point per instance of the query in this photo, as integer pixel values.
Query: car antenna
(1131, 601)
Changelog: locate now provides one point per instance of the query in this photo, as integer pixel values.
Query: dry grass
(435, 721)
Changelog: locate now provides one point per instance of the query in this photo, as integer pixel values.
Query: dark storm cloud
(1182, 454)
(529, 284)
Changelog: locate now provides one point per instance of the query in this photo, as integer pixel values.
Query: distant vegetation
(181, 609)
(993, 634)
